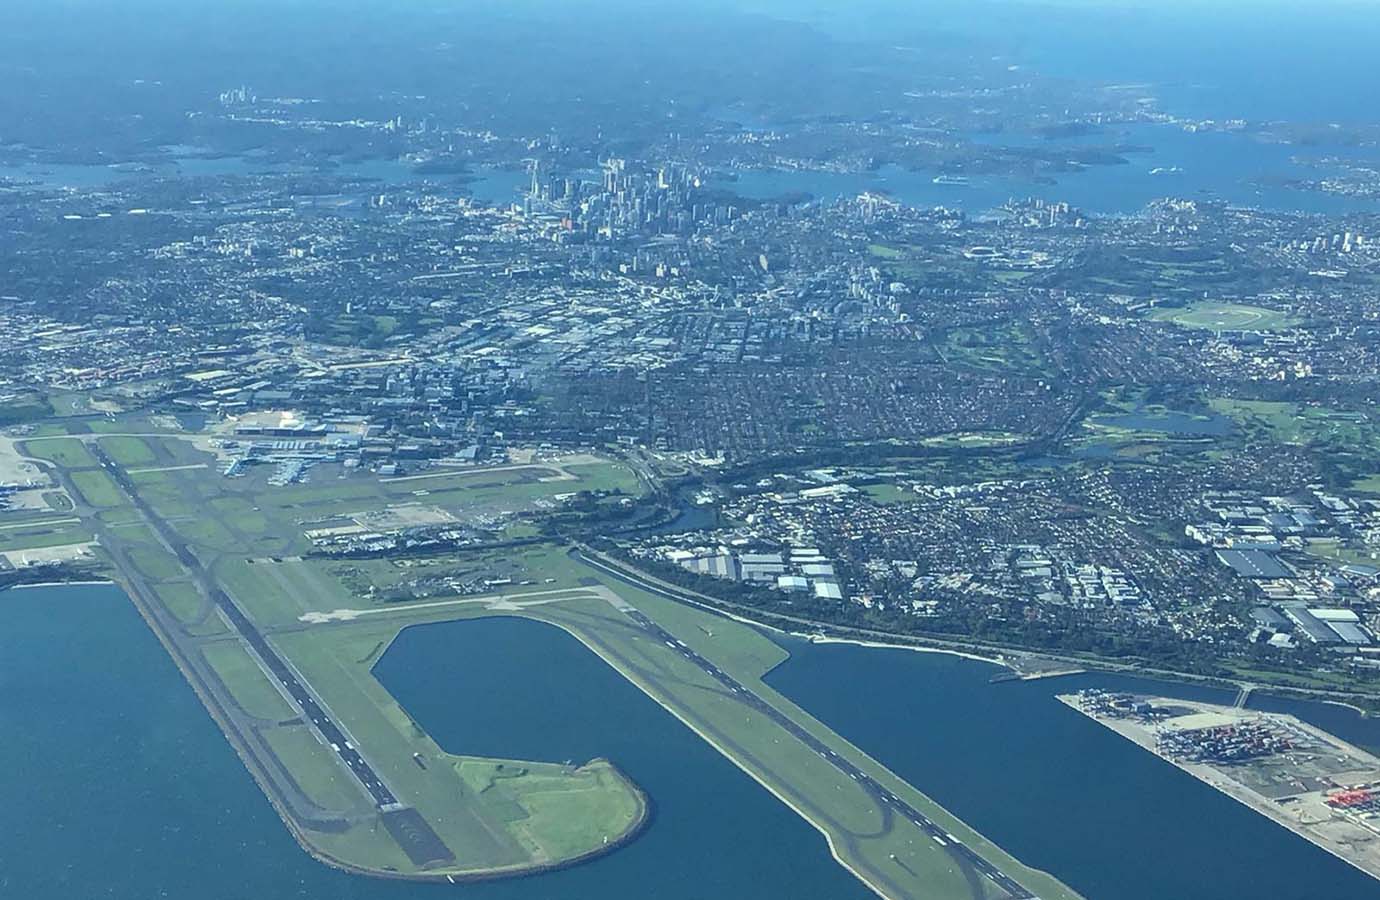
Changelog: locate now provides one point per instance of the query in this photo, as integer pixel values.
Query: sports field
(1216, 316)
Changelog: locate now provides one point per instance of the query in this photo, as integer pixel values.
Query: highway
(880, 794)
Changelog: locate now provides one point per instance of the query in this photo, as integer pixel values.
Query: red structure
(1346, 799)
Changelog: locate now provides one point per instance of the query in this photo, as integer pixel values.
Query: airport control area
(276, 576)
(1307, 780)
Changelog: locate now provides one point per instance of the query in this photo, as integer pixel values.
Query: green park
(1221, 316)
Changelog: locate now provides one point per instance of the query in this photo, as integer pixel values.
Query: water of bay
(1259, 60)
(1161, 162)
(118, 784)
(513, 688)
(1167, 162)
(1060, 791)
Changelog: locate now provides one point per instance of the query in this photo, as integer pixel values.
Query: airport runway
(880, 794)
(323, 723)
(318, 717)
(416, 837)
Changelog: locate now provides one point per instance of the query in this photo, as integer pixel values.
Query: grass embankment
(97, 489)
(128, 451)
(518, 815)
(69, 453)
(899, 859)
(247, 683)
(251, 536)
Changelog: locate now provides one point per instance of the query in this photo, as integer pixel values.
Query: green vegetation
(155, 563)
(260, 593)
(1368, 485)
(1295, 423)
(181, 598)
(889, 493)
(1163, 273)
(97, 488)
(998, 346)
(1218, 316)
(80, 403)
(66, 452)
(24, 408)
(354, 329)
(239, 515)
(247, 683)
(1335, 551)
(499, 815)
(556, 811)
(1327, 681)
(58, 501)
(42, 534)
(321, 776)
(57, 429)
(605, 476)
(128, 451)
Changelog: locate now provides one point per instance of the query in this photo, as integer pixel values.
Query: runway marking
(492, 601)
(459, 472)
(43, 524)
(167, 468)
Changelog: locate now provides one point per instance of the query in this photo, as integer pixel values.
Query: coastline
(647, 582)
(647, 689)
(1001, 654)
(883, 645)
(47, 584)
(687, 718)
(301, 833)
(630, 574)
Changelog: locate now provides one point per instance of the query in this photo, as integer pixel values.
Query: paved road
(879, 793)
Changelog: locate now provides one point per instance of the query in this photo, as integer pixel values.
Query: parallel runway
(417, 838)
(323, 723)
(880, 794)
